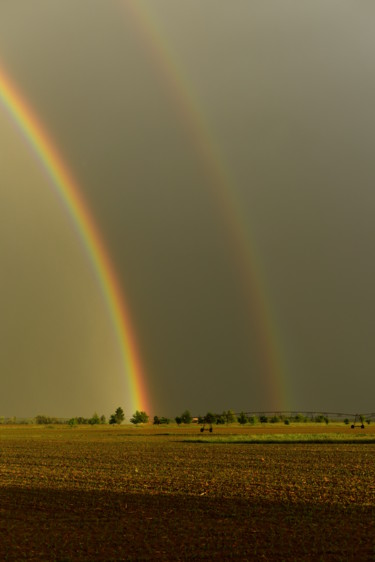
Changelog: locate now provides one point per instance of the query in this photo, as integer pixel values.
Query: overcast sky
(136, 95)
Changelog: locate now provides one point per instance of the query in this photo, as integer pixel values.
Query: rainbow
(223, 187)
(62, 181)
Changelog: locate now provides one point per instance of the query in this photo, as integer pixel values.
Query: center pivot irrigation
(209, 420)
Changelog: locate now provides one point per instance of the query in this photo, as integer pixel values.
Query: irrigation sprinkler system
(359, 420)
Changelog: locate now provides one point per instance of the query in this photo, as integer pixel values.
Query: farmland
(155, 493)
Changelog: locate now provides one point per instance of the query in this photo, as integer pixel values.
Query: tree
(156, 420)
(242, 419)
(94, 420)
(209, 418)
(139, 417)
(178, 420)
(118, 417)
(229, 416)
(186, 417)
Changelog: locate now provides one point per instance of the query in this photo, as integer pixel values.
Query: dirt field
(131, 493)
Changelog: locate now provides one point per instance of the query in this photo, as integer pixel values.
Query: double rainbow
(221, 183)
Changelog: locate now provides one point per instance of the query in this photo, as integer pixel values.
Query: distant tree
(40, 420)
(229, 415)
(94, 420)
(81, 420)
(209, 418)
(164, 421)
(156, 420)
(346, 421)
(139, 417)
(220, 420)
(274, 419)
(118, 417)
(286, 421)
(103, 419)
(72, 422)
(242, 419)
(43, 420)
(178, 420)
(263, 419)
(186, 417)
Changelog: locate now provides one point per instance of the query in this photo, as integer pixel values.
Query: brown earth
(145, 494)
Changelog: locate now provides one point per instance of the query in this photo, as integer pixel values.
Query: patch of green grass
(292, 439)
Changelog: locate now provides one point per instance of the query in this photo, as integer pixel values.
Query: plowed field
(148, 494)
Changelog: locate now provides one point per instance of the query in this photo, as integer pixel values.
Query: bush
(186, 417)
(287, 422)
(95, 420)
(209, 418)
(139, 417)
(229, 415)
(242, 419)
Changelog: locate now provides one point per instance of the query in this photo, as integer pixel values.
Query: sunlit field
(174, 493)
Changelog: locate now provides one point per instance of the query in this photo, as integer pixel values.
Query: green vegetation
(118, 417)
(161, 421)
(242, 419)
(286, 438)
(139, 417)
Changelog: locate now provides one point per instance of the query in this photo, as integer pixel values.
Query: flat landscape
(267, 492)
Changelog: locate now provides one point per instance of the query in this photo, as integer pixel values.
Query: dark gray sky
(286, 91)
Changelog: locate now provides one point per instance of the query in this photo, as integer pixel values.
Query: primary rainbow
(223, 187)
(68, 191)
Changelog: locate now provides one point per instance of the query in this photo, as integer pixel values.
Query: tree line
(226, 417)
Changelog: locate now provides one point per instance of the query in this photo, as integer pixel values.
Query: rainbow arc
(66, 188)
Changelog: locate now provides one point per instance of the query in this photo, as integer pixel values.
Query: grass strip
(279, 439)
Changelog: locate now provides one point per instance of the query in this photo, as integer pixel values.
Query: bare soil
(90, 494)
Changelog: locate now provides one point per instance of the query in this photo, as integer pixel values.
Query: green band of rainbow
(68, 191)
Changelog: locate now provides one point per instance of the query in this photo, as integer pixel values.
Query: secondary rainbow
(222, 185)
(69, 193)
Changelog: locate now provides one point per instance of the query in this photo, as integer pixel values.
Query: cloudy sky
(225, 150)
